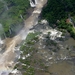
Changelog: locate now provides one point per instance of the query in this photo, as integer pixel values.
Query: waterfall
(9, 55)
(5, 4)
(10, 31)
(2, 31)
(33, 3)
(1, 41)
(36, 2)
(21, 16)
(6, 7)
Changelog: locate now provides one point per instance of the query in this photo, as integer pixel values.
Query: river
(7, 58)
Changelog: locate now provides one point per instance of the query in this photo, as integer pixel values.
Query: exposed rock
(15, 72)
(44, 22)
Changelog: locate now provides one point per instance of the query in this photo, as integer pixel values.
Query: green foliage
(29, 71)
(58, 9)
(27, 48)
(69, 27)
(1, 7)
(17, 7)
(32, 36)
(14, 15)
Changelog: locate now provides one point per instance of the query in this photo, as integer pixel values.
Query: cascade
(9, 30)
(5, 4)
(6, 7)
(21, 16)
(2, 31)
(8, 57)
(33, 3)
(36, 2)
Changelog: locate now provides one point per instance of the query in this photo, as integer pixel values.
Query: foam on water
(9, 54)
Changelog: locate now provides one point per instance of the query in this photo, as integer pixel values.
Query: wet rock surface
(50, 56)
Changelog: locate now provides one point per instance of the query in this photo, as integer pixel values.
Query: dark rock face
(33, 1)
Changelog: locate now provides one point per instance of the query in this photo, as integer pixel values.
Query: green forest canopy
(12, 16)
(58, 9)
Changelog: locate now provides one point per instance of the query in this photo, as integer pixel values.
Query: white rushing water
(1, 41)
(33, 4)
(8, 57)
(1, 33)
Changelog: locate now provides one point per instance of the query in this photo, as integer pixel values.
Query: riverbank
(47, 51)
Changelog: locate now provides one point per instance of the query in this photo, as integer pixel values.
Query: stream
(7, 58)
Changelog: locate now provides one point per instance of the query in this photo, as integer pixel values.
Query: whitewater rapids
(7, 58)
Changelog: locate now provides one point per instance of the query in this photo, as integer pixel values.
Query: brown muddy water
(57, 62)
(62, 68)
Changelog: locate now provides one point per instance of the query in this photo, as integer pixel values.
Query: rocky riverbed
(47, 53)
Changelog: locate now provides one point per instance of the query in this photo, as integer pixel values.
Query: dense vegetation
(25, 65)
(12, 13)
(69, 27)
(60, 10)
(17, 8)
(1, 7)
